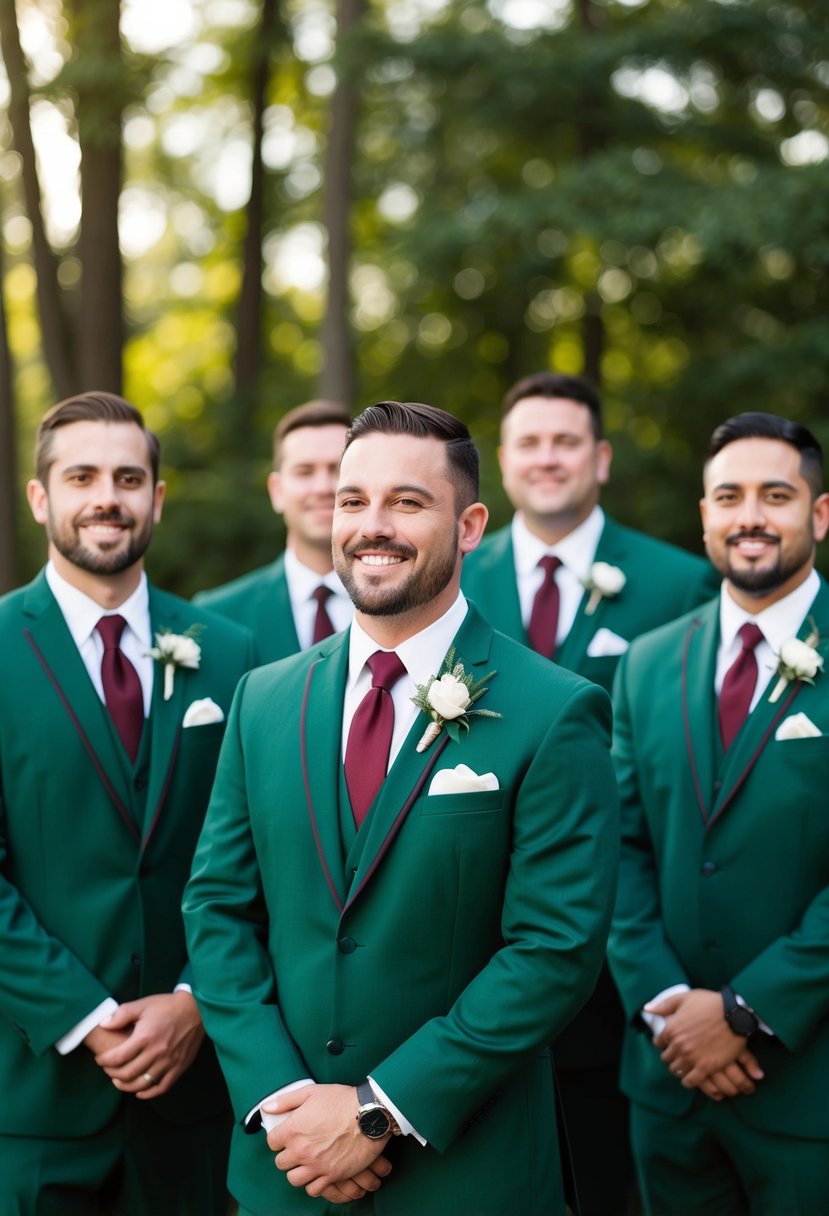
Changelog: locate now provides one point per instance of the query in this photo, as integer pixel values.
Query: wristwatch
(373, 1119)
(741, 1019)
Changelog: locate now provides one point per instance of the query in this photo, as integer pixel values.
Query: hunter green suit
(260, 601)
(439, 948)
(725, 870)
(94, 854)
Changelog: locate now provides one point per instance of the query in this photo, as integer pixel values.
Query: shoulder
(662, 553)
(492, 550)
(171, 612)
(667, 642)
(535, 684)
(239, 590)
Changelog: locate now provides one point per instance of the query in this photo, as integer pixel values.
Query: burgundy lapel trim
(398, 823)
(99, 769)
(162, 798)
(332, 886)
(784, 705)
(686, 719)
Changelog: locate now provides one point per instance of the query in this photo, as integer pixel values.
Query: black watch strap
(741, 1020)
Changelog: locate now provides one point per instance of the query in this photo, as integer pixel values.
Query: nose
(107, 494)
(376, 522)
(751, 514)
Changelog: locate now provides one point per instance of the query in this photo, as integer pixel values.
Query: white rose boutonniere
(604, 581)
(798, 661)
(447, 700)
(176, 650)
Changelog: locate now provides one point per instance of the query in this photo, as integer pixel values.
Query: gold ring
(149, 1078)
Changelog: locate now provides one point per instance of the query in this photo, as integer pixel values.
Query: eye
(349, 504)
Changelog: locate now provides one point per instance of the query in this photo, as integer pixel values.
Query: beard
(760, 580)
(421, 587)
(106, 558)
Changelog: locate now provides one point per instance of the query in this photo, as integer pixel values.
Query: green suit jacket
(94, 854)
(261, 602)
(725, 868)
(439, 950)
(662, 583)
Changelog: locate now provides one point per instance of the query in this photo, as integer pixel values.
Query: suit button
(335, 1047)
(140, 783)
(347, 945)
(717, 786)
(709, 868)
(135, 959)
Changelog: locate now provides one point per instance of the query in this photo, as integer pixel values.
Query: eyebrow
(765, 485)
(136, 469)
(402, 489)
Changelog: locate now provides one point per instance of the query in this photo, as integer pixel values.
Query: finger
(741, 1081)
(664, 1008)
(146, 1062)
(334, 1195)
(346, 1188)
(750, 1064)
(303, 1176)
(710, 1090)
(381, 1166)
(148, 1084)
(365, 1180)
(287, 1102)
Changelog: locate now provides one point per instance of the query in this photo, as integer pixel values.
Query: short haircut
(755, 425)
(312, 413)
(553, 385)
(89, 407)
(426, 422)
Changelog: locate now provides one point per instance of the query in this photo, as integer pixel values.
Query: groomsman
(298, 599)
(577, 586)
(386, 935)
(720, 941)
(113, 1101)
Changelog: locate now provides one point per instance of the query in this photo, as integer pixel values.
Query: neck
(108, 590)
(553, 528)
(755, 604)
(391, 631)
(316, 558)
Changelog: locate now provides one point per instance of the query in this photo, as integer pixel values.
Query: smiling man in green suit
(720, 943)
(298, 599)
(603, 585)
(385, 936)
(113, 1102)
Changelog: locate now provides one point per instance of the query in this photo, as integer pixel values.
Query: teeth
(372, 559)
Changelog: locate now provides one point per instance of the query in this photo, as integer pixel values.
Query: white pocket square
(606, 642)
(797, 726)
(202, 713)
(461, 780)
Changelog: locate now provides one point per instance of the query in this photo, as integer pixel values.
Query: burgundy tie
(369, 739)
(122, 687)
(738, 685)
(543, 626)
(323, 625)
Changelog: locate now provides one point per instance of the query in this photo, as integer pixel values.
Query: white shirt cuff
(78, 1033)
(402, 1122)
(654, 1021)
(271, 1121)
(184, 988)
(761, 1025)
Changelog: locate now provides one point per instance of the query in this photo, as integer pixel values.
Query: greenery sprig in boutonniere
(176, 650)
(798, 660)
(604, 580)
(446, 699)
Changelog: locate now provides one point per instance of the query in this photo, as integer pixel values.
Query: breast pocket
(477, 802)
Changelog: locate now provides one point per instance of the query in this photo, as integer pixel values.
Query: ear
(471, 525)
(275, 491)
(38, 500)
(820, 516)
(703, 511)
(604, 459)
(159, 494)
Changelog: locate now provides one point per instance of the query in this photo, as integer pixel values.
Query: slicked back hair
(96, 406)
(426, 422)
(756, 425)
(553, 385)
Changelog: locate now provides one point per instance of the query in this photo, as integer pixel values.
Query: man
(575, 585)
(298, 599)
(721, 933)
(113, 1102)
(428, 955)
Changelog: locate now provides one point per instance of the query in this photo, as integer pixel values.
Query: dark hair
(551, 384)
(426, 422)
(89, 407)
(312, 413)
(755, 425)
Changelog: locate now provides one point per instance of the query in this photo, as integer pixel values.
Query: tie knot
(110, 628)
(321, 594)
(549, 564)
(386, 669)
(751, 635)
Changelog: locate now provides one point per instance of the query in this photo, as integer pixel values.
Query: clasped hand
(701, 1049)
(156, 1037)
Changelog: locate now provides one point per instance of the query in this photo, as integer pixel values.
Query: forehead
(100, 444)
(312, 444)
(385, 461)
(546, 415)
(751, 462)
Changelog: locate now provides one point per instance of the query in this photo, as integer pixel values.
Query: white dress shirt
(576, 551)
(302, 583)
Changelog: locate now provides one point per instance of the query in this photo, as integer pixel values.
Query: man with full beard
(720, 939)
(395, 905)
(112, 703)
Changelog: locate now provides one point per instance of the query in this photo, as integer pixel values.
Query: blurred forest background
(223, 208)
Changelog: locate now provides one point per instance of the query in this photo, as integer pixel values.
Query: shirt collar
(779, 622)
(303, 582)
(576, 550)
(82, 613)
(421, 655)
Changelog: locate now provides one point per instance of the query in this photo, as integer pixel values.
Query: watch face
(741, 1021)
(374, 1123)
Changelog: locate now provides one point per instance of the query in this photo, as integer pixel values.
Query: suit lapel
(573, 650)
(48, 635)
(276, 617)
(165, 716)
(501, 569)
(699, 659)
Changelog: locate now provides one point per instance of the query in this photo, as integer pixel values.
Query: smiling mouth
(379, 559)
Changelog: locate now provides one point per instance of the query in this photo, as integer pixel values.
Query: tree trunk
(54, 326)
(593, 334)
(8, 463)
(337, 379)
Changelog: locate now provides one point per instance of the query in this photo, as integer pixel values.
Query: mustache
(379, 546)
(106, 517)
(752, 534)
